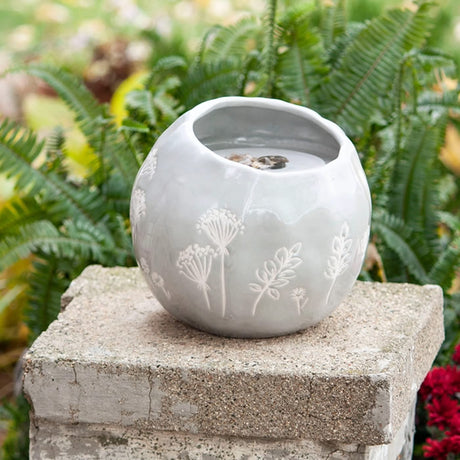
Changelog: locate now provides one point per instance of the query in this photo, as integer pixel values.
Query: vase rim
(345, 146)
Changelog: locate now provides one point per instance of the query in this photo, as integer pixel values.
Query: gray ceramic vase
(245, 252)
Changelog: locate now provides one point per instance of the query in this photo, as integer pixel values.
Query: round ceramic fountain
(250, 217)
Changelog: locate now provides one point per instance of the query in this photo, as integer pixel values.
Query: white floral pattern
(138, 206)
(157, 280)
(340, 259)
(221, 226)
(150, 164)
(195, 263)
(299, 296)
(276, 273)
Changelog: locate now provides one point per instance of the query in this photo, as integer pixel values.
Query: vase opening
(267, 138)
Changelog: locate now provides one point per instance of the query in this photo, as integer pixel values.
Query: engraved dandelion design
(221, 226)
(299, 296)
(195, 263)
(340, 258)
(138, 206)
(150, 164)
(276, 273)
(157, 280)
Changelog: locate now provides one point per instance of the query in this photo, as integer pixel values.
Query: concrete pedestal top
(114, 357)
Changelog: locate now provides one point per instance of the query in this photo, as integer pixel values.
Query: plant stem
(222, 281)
(270, 50)
(262, 292)
(330, 290)
(205, 292)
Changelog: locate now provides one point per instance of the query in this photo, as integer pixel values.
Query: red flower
(440, 449)
(456, 356)
(454, 425)
(441, 381)
(435, 449)
(441, 411)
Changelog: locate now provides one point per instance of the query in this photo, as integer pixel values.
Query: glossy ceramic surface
(243, 252)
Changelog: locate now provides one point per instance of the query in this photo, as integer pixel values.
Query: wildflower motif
(138, 206)
(195, 263)
(340, 259)
(159, 283)
(221, 226)
(144, 265)
(150, 164)
(157, 279)
(277, 273)
(299, 295)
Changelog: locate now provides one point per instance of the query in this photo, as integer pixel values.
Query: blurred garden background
(123, 70)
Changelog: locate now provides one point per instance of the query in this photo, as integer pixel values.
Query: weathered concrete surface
(54, 441)
(114, 357)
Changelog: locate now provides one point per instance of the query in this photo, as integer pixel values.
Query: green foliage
(375, 79)
(16, 444)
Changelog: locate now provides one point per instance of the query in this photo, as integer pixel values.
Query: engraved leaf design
(276, 273)
(340, 258)
(255, 287)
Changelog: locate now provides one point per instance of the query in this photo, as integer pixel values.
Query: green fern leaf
(410, 184)
(341, 44)
(47, 284)
(444, 270)
(18, 212)
(90, 116)
(78, 240)
(26, 241)
(72, 91)
(333, 22)
(142, 101)
(398, 237)
(370, 64)
(300, 67)
(208, 81)
(19, 148)
(446, 102)
(235, 41)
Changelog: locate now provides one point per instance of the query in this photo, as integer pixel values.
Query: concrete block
(116, 366)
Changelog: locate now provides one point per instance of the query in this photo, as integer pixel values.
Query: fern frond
(142, 101)
(90, 116)
(333, 22)
(26, 241)
(449, 220)
(18, 212)
(78, 240)
(19, 148)
(444, 270)
(409, 184)
(169, 63)
(210, 80)
(446, 102)
(233, 42)
(72, 91)
(270, 47)
(47, 284)
(399, 238)
(370, 64)
(342, 42)
(301, 67)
